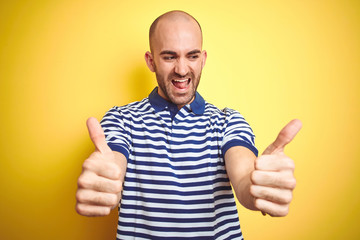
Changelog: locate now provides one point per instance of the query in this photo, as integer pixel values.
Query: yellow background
(64, 61)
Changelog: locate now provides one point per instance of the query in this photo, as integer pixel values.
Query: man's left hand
(273, 179)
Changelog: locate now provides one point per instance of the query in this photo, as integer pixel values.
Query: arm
(100, 183)
(239, 162)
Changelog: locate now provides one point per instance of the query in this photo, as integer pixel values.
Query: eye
(169, 57)
(193, 57)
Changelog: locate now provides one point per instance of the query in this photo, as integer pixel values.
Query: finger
(276, 195)
(106, 169)
(274, 162)
(92, 197)
(92, 210)
(89, 180)
(282, 179)
(285, 136)
(97, 135)
(273, 209)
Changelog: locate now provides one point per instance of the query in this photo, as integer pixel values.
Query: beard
(167, 87)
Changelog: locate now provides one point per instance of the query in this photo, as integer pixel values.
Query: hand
(273, 179)
(100, 183)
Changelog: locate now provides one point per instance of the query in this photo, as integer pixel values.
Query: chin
(183, 100)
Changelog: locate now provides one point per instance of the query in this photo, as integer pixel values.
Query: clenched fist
(273, 178)
(101, 181)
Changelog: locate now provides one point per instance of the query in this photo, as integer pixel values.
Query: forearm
(239, 166)
(242, 192)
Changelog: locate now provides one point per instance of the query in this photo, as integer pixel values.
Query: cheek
(197, 68)
(164, 69)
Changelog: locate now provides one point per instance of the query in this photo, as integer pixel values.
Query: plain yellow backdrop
(62, 61)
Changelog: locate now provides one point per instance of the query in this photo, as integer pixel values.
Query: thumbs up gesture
(273, 179)
(100, 183)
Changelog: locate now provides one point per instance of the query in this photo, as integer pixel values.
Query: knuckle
(284, 211)
(290, 163)
(79, 196)
(291, 183)
(82, 181)
(118, 186)
(258, 204)
(253, 190)
(79, 209)
(257, 163)
(115, 170)
(113, 200)
(105, 211)
(88, 164)
(287, 197)
(253, 177)
(286, 179)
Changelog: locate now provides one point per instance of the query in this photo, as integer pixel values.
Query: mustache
(176, 75)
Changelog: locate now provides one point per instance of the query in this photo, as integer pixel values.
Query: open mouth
(181, 83)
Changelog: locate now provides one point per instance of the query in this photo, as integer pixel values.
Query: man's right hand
(101, 181)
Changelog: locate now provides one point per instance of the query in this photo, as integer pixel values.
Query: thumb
(285, 136)
(97, 135)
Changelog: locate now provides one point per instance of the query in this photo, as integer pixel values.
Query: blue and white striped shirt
(176, 186)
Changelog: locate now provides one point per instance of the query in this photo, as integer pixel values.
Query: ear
(150, 61)
(203, 58)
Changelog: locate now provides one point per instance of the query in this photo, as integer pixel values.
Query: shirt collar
(158, 103)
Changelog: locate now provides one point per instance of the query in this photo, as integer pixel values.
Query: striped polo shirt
(176, 185)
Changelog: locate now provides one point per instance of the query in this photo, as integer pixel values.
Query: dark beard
(172, 99)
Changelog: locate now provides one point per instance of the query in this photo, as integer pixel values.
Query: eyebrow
(165, 52)
(194, 52)
(168, 52)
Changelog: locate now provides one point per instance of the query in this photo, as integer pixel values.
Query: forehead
(179, 35)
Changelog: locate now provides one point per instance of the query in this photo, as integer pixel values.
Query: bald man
(171, 160)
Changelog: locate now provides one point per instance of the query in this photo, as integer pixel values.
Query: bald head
(172, 17)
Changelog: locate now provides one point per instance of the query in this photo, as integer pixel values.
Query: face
(177, 60)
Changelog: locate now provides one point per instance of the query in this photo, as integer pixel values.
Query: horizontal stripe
(166, 183)
(188, 228)
(176, 211)
(174, 177)
(226, 231)
(220, 198)
(175, 192)
(179, 176)
(179, 158)
(176, 196)
(207, 169)
(167, 221)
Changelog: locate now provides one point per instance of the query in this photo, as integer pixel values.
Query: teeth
(183, 80)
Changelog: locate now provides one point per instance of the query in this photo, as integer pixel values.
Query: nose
(181, 67)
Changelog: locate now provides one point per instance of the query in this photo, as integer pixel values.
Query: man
(170, 158)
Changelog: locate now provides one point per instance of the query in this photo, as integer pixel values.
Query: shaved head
(172, 16)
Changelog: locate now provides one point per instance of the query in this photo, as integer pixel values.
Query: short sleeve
(237, 132)
(116, 135)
